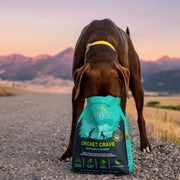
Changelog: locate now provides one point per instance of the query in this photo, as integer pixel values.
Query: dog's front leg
(77, 106)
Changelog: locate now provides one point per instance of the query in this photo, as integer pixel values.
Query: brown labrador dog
(108, 66)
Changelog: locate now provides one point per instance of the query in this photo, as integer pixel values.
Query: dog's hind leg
(77, 106)
(138, 94)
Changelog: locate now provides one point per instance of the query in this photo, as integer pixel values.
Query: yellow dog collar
(97, 43)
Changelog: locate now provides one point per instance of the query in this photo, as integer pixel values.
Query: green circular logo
(117, 135)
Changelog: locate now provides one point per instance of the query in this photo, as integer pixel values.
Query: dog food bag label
(102, 140)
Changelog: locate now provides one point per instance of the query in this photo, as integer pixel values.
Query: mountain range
(20, 68)
(162, 75)
(164, 63)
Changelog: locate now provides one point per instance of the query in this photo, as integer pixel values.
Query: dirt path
(34, 131)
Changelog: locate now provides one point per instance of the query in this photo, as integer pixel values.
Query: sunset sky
(36, 27)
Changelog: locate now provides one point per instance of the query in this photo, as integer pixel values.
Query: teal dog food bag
(102, 140)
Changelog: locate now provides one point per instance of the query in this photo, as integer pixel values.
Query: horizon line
(70, 47)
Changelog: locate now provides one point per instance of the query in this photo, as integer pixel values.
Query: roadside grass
(163, 124)
(4, 92)
(56, 89)
(4, 88)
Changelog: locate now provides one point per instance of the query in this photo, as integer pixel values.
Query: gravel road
(34, 132)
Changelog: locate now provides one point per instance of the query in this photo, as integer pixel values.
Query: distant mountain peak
(42, 56)
(12, 55)
(166, 58)
(16, 57)
(67, 52)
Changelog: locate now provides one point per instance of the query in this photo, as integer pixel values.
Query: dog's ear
(125, 73)
(78, 77)
(127, 31)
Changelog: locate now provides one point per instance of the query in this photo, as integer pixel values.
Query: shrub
(177, 108)
(152, 103)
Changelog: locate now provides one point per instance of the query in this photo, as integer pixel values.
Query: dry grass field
(3, 92)
(162, 124)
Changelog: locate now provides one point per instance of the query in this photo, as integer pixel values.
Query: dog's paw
(66, 157)
(146, 148)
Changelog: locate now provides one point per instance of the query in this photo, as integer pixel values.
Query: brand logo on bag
(102, 114)
(102, 107)
(117, 135)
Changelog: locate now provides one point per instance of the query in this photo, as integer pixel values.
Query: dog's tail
(127, 31)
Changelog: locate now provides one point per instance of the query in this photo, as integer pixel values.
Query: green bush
(152, 103)
(177, 108)
(155, 103)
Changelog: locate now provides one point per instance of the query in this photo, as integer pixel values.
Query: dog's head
(101, 79)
